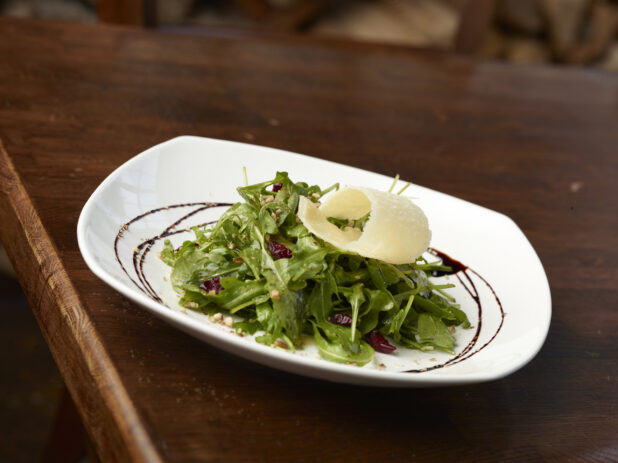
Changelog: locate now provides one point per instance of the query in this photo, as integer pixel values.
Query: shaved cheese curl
(396, 232)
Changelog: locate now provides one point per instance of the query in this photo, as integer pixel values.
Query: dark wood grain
(538, 144)
(129, 12)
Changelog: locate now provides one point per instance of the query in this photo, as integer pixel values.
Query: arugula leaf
(282, 299)
(381, 275)
(400, 317)
(168, 254)
(320, 301)
(379, 301)
(432, 330)
(336, 352)
(356, 298)
(451, 314)
(303, 264)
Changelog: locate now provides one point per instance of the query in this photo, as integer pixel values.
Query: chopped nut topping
(316, 195)
(451, 328)
(216, 317)
(275, 294)
(234, 235)
(238, 260)
(281, 344)
(191, 305)
(231, 245)
(212, 292)
(228, 321)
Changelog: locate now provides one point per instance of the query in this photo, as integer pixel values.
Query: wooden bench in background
(475, 17)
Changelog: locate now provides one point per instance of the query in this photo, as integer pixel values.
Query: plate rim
(316, 368)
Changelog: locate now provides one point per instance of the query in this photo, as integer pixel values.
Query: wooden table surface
(536, 143)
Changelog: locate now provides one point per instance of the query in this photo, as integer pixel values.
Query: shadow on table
(30, 384)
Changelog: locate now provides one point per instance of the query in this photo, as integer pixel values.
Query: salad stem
(289, 342)
(330, 188)
(394, 183)
(404, 188)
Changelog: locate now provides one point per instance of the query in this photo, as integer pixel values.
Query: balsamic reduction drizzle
(140, 252)
(460, 270)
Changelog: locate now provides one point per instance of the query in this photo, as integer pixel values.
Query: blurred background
(533, 32)
(574, 32)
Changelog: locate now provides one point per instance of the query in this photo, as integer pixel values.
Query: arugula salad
(261, 264)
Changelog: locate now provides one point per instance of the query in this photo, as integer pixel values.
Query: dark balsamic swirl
(142, 249)
(461, 270)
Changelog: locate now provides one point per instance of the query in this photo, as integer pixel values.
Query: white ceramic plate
(187, 171)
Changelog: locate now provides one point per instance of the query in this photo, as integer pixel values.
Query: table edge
(91, 378)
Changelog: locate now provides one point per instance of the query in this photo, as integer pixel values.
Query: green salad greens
(261, 264)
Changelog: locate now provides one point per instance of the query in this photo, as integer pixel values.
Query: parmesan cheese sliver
(397, 231)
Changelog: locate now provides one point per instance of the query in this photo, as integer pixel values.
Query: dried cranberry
(379, 342)
(342, 319)
(277, 186)
(279, 251)
(214, 284)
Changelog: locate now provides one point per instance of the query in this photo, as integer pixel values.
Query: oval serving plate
(166, 190)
